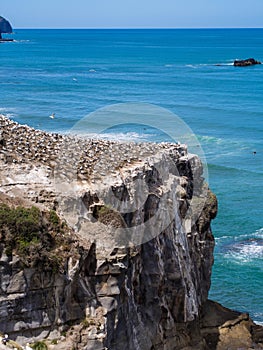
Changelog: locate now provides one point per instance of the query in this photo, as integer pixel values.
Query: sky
(133, 13)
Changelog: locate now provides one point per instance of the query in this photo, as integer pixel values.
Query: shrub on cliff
(40, 345)
(36, 237)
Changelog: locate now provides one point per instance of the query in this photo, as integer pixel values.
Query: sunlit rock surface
(138, 273)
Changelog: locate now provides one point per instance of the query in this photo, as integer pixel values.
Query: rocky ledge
(108, 245)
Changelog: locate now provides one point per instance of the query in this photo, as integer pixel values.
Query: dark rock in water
(5, 27)
(3, 40)
(246, 62)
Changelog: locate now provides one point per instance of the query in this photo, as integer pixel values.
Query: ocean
(190, 73)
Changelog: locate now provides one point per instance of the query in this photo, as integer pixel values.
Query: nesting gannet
(120, 264)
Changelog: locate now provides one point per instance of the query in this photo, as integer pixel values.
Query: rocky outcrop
(246, 62)
(5, 27)
(138, 270)
(224, 329)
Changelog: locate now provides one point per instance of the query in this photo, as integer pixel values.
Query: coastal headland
(108, 245)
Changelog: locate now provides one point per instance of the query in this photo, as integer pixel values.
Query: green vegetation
(40, 345)
(53, 218)
(108, 216)
(86, 323)
(35, 236)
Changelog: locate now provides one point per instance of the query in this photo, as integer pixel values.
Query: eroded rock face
(132, 281)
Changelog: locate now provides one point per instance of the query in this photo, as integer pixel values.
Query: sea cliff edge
(83, 279)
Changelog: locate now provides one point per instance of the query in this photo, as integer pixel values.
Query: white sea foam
(209, 139)
(255, 235)
(218, 239)
(192, 66)
(225, 63)
(4, 110)
(200, 65)
(20, 41)
(258, 316)
(247, 248)
(245, 253)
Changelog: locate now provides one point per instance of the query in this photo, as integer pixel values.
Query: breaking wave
(246, 248)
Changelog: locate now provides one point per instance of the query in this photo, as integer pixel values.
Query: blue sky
(133, 13)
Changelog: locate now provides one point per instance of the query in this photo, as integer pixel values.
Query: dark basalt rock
(5, 27)
(246, 62)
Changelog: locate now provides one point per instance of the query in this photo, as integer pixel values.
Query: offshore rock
(246, 62)
(5, 27)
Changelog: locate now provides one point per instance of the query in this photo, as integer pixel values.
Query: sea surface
(188, 72)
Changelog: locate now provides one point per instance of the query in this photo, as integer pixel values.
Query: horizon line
(133, 28)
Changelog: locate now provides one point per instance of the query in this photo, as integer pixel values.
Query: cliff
(121, 252)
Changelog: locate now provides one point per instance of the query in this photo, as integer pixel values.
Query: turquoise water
(74, 72)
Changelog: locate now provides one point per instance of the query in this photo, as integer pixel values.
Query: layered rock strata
(139, 270)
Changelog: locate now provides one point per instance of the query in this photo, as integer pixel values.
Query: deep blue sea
(189, 72)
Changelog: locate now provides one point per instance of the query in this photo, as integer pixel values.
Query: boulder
(223, 328)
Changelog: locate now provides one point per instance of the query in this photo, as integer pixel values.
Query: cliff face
(138, 272)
